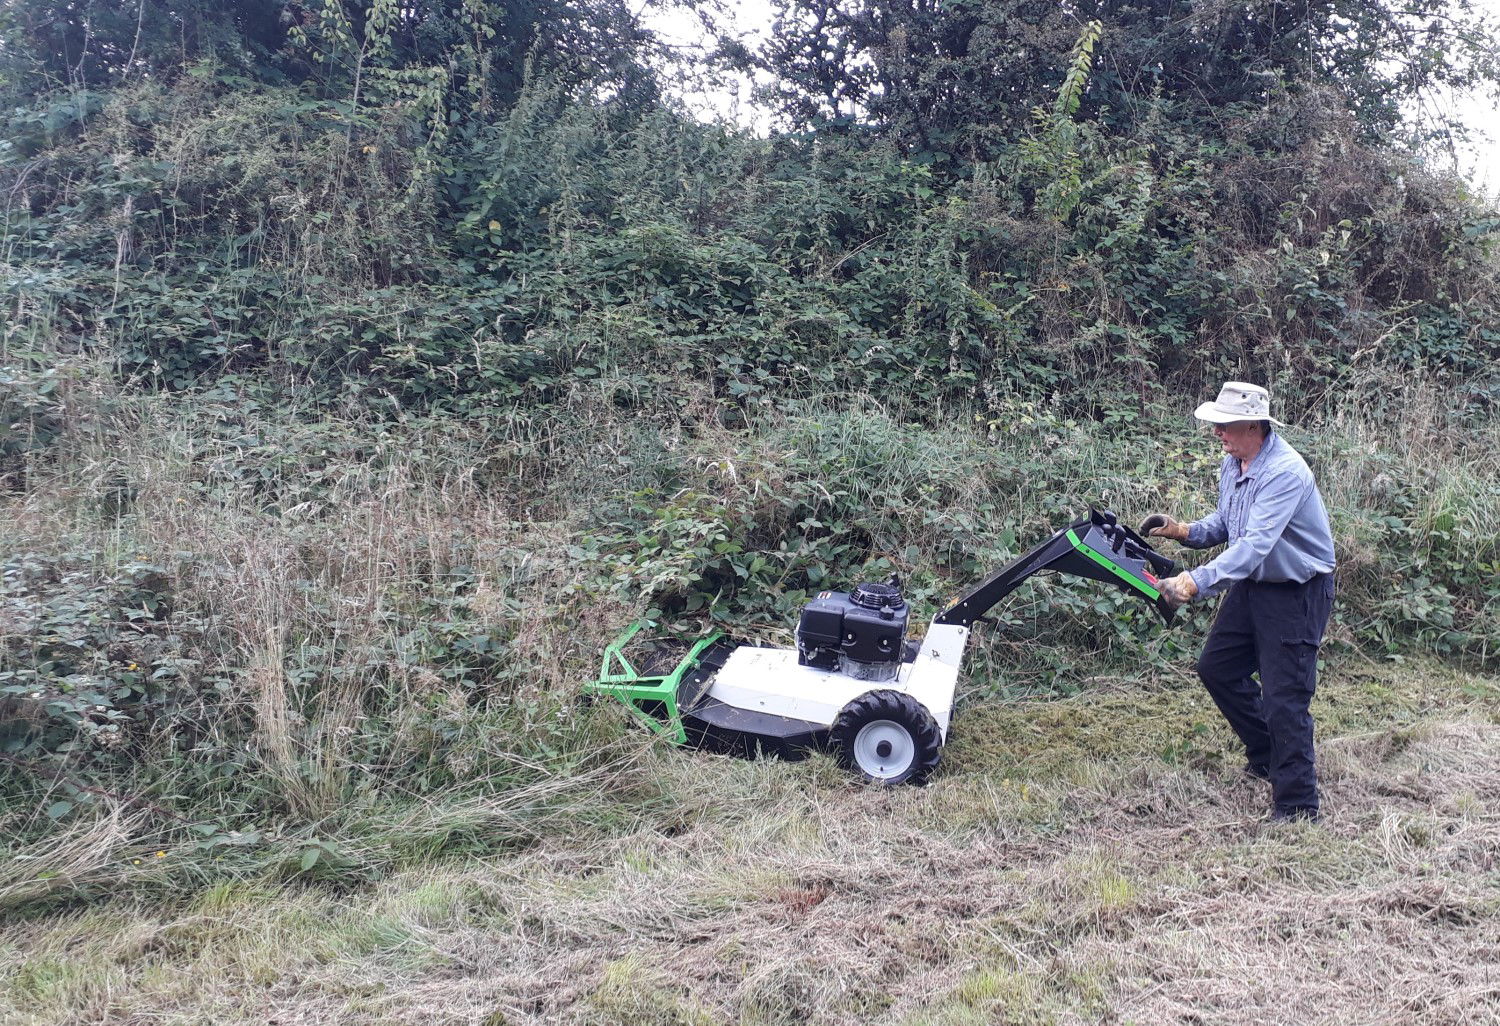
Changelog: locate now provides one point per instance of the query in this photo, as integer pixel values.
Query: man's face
(1240, 439)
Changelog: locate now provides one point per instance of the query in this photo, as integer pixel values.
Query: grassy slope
(1089, 859)
(1085, 858)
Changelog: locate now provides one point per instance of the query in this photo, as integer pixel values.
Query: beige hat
(1238, 401)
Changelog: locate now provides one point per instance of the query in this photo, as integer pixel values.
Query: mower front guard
(652, 698)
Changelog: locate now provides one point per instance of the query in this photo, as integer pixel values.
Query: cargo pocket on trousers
(1315, 605)
(1299, 668)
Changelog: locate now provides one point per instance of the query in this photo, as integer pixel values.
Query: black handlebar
(1060, 554)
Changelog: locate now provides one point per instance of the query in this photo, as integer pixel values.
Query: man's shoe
(1257, 770)
(1287, 814)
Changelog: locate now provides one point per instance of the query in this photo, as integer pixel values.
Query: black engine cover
(840, 631)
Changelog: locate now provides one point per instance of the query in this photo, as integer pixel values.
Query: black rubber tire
(902, 710)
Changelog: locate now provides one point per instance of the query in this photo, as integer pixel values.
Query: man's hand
(1179, 590)
(1162, 525)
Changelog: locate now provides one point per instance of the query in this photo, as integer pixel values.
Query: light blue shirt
(1273, 519)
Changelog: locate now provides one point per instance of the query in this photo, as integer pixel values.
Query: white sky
(1480, 162)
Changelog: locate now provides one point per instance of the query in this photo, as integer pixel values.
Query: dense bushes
(577, 246)
(407, 238)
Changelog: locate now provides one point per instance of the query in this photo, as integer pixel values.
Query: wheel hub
(884, 749)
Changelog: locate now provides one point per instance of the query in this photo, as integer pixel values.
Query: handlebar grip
(1162, 566)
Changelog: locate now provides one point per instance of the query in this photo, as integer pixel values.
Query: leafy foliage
(359, 218)
(84, 662)
(953, 81)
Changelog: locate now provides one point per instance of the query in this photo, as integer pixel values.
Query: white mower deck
(791, 701)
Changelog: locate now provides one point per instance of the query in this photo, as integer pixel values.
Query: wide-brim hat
(1237, 401)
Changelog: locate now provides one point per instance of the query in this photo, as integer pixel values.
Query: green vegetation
(1022, 886)
(366, 367)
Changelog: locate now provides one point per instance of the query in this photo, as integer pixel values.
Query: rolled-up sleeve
(1275, 503)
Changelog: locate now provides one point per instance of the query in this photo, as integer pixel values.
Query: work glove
(1179, 590)
(1162, 525)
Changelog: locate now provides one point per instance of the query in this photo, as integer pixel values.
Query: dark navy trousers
(1274, 629)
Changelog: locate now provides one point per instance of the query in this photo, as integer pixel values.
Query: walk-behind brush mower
(855, 683)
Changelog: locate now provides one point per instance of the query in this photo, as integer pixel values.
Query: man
(1277, 579)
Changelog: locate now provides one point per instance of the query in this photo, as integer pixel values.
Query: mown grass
(1109, 883)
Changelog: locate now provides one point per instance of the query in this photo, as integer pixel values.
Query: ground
(1090, 859)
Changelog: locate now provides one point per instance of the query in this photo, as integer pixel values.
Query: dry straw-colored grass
(1112, 889)
(91, 850)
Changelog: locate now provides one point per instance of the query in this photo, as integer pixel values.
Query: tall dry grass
(1104, 885)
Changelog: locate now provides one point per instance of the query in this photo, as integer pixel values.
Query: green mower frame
(652, 698)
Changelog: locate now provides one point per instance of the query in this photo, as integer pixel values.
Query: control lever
(1162, 566)
(1139, 547)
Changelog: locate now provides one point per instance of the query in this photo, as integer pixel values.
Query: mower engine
(860, 634)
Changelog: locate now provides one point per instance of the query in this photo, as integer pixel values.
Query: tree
(93, 44)
(481, 47)
(962, 76)
(941, 78)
